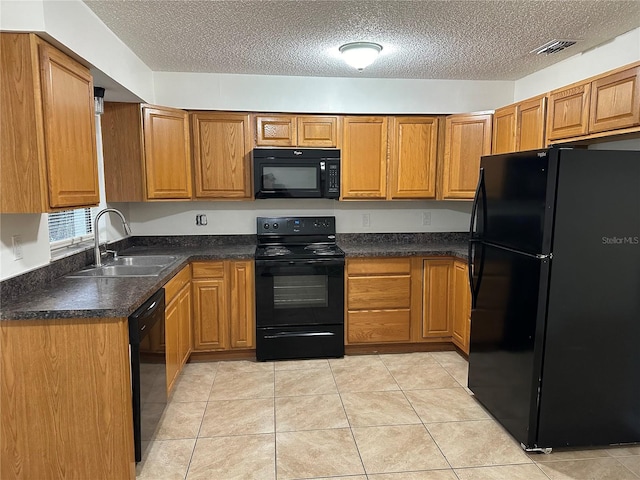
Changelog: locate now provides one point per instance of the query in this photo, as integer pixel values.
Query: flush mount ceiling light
(360, 54)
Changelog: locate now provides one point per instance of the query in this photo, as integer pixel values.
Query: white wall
(620, 51)
(327, 95)
(178, 218)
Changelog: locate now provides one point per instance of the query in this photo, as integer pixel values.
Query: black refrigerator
(555, 283)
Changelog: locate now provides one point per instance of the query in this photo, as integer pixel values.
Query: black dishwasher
(148, 368)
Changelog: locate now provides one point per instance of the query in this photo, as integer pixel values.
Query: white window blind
(70, 227)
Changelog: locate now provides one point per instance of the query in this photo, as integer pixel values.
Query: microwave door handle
(323, 178)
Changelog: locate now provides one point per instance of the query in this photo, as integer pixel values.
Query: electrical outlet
(426, 218)
(366, 220)
(16, 241)
(201, 219)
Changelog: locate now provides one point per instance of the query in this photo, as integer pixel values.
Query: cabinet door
(364, 158)
(167, 153)
(209, 315)
(568, 112)
(412, 167)
(276, 130)
(317, 131)
(530, 124)
(467, 138)
(615, 101)
(172, 332)
(184, 327)
(437, 284)
(461, 306)
(504, 130)
(69, 127)
(242, 309)
(123, 152)
(221, 155)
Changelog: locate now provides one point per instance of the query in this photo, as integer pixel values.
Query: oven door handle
(299, 334)
(329, 262)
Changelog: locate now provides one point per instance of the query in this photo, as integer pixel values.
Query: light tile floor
(370, 417)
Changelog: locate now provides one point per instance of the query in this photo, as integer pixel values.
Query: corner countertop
(97, 298)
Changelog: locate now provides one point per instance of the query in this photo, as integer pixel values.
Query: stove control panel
(296, 225)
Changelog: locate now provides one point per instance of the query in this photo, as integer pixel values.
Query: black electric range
(299, 289)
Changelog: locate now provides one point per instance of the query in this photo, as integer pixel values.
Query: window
(70, 227)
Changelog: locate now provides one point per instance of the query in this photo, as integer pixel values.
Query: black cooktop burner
(293, 238)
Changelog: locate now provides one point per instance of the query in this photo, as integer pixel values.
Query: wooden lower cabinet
(66, 399)
(436, 321)
(223, 312)
(178, 330)
(461, 306)
(378, 300)
(407, 300)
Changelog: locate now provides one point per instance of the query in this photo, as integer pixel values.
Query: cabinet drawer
(374, 293)
(173, 286)
(208, 269)
(378, 266)
(379, 327)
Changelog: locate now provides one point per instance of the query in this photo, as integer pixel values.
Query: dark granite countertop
(111, 297)
(405, 244)
(58, 296)
(457, 249)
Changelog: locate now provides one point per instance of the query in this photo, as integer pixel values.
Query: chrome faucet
(96, 234)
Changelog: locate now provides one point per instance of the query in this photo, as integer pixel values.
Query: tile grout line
(186, 475)
(364, 469)
(425, 426)
(275, 428)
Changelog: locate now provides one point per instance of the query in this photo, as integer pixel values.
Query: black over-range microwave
(296, 172)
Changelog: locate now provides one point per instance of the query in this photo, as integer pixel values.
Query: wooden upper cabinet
(569, 111)
(504, 130)
(364, 158)
(530, 123)
(123, 152)
(221, 155)
(147, 154)
(317, 131)
(615, 101)
(276, 130)
(47, 124)
(412, 169)
(520, 126)
(167, 156)
(467, 138)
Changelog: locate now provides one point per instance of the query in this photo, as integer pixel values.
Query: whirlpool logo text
(620, 240)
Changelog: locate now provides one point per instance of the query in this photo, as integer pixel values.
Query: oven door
(284, 178)
(299, 292)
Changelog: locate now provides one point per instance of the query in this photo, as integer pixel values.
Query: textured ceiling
(476, 40)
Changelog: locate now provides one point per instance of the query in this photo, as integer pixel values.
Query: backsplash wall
(231, 218)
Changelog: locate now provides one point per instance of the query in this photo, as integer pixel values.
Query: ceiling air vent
(553, 46)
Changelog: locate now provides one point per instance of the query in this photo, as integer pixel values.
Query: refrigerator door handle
(474, 207)
(470, 272)
(537, 256)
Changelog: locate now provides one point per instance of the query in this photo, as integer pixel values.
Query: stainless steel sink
(144, 260)
(138, 266)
